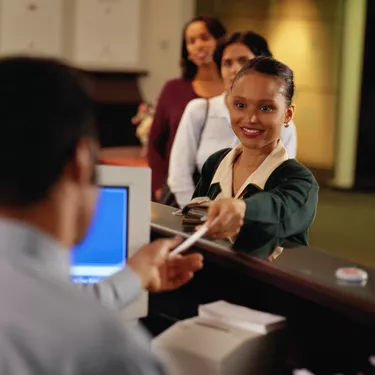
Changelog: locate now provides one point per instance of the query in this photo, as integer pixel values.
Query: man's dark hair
(45, 111)
(253, 41)
(271, 67)
(214, 27)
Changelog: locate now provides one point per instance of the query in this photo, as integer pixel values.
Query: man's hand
(230, 212)
(160, 272)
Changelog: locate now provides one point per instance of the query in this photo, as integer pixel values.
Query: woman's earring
(286, 124)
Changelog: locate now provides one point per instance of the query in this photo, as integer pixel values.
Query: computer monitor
(120, 226)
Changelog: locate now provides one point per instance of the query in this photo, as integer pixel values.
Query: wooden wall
(305, 34)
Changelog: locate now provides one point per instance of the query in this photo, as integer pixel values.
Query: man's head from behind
(48, 145)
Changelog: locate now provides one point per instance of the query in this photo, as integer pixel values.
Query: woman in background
(258, 193)
(200, 78)
(205, 126)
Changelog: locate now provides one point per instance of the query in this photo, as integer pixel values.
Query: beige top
(224, 173)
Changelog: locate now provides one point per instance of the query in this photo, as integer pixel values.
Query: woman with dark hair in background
(205, 125)
(200, 78)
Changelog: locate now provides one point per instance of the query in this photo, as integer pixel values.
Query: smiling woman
(263, 194)
(260, 105)
(200, 78)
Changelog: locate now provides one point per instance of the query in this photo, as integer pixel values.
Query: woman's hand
(231, 213)
(157, 194)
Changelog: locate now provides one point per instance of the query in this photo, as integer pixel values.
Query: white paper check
(193, 238)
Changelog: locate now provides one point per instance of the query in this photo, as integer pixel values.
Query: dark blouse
(283, 209)
(174, 97)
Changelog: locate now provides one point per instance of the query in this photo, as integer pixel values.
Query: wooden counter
(331, 326)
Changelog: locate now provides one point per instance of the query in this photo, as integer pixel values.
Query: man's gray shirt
(48, 326)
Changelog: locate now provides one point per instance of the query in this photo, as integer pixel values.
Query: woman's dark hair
(255, 42)
(214, 27)
(272, 67)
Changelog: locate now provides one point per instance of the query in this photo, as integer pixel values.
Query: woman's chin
(203, 62)
(251, 142)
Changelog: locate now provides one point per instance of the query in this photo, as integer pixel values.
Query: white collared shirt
(47, 326)
(217, 134)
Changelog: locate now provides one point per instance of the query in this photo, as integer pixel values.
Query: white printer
(224, 339)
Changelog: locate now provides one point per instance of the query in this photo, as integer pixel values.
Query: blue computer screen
(104, 250)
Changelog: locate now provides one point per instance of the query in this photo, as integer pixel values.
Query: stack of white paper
(225, 314)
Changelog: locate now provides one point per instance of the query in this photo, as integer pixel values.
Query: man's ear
(83, 163)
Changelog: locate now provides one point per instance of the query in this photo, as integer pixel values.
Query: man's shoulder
(51, 324)
(39, 296)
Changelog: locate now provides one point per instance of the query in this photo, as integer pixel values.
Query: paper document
(227, 314)
(193, 238)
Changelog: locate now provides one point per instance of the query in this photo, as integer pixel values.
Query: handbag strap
(204, 122)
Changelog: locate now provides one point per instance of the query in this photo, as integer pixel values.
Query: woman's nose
(252, 118)
(199, 43)
(233, 70)
(236, 67)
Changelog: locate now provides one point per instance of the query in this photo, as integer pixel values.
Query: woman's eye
(265, 108)
(240, 105)
(242, 61)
